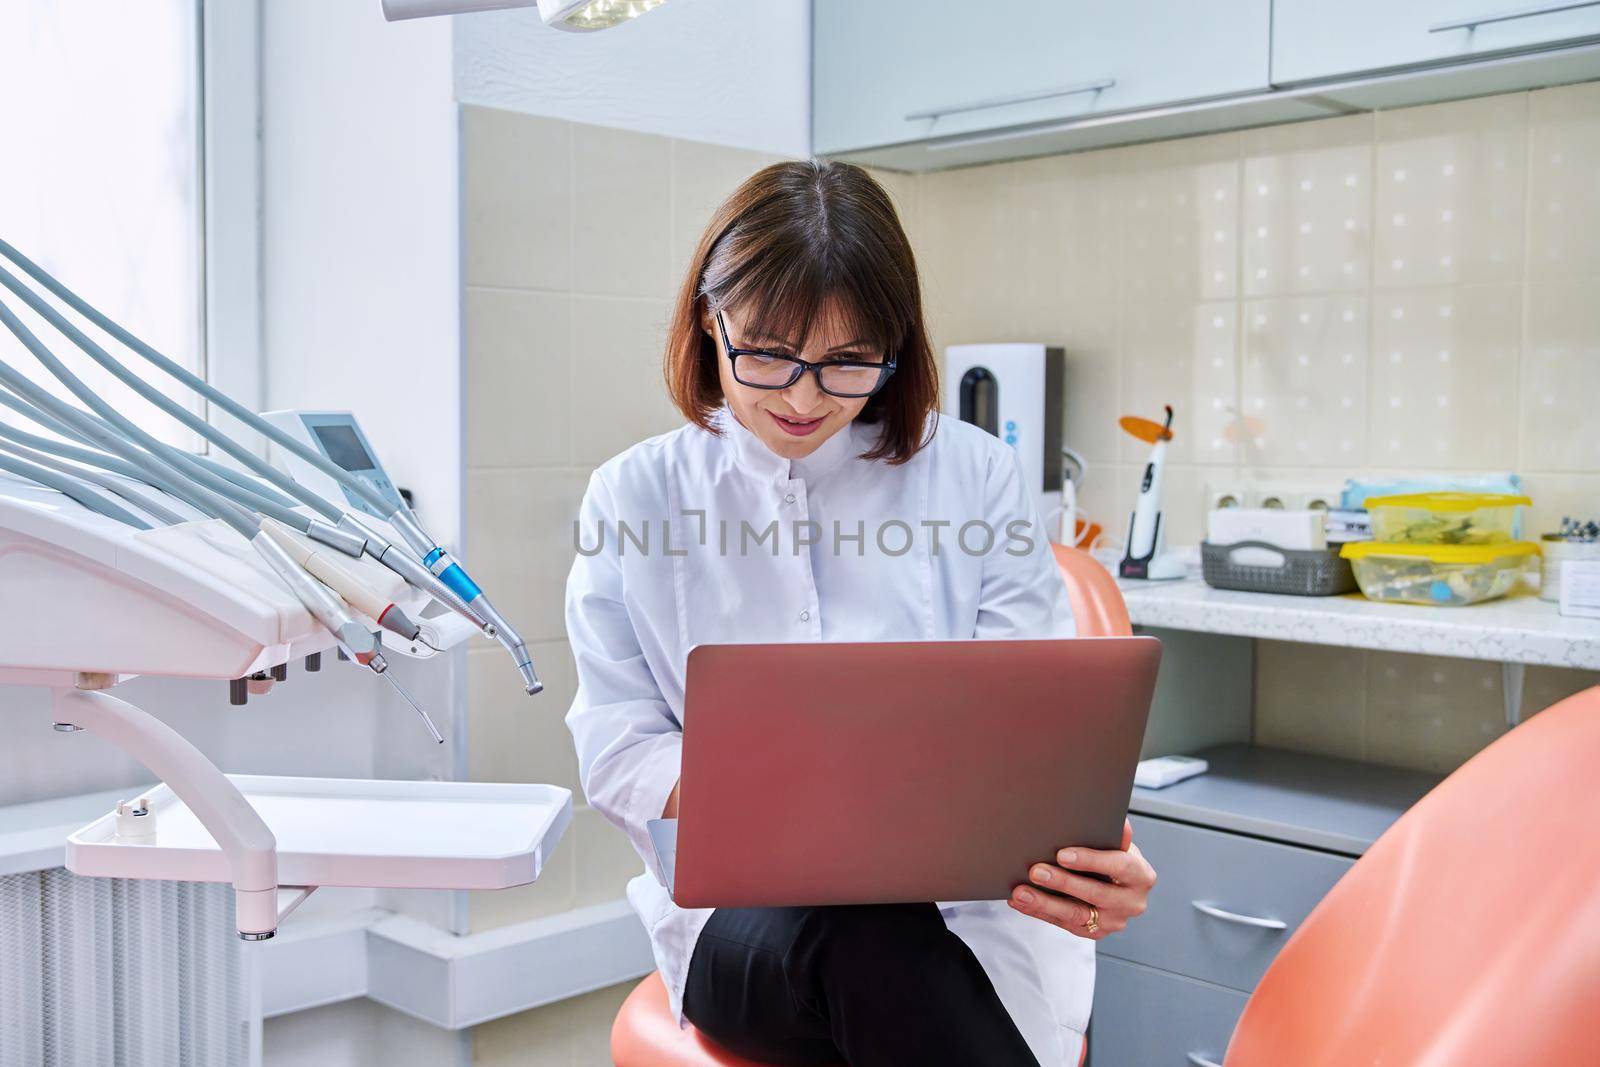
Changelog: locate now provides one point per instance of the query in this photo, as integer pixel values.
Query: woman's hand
(1088, 906)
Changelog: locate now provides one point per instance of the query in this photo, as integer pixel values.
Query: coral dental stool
(1469, 933)
(645, 1034)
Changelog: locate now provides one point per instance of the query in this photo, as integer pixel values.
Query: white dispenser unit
(1015, 392)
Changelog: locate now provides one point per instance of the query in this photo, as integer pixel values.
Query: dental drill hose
(449, 572)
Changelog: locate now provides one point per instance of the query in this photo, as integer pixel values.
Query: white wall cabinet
(1314, 40)
(889, 72)
(928, 84)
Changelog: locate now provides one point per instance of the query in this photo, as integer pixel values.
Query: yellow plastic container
(1445, 518)
(1444, 575)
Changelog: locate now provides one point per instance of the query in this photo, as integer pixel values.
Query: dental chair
(1469, 933)
(644, 1033)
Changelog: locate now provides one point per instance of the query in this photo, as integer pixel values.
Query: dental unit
(140, 557)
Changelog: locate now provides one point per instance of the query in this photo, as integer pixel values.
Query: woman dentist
(815, 495)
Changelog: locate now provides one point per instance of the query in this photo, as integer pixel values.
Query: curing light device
(1147, 555)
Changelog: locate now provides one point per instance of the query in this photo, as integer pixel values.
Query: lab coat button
(805, 616)
(788, 498)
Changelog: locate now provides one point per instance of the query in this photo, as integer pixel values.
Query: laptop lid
(837, 773)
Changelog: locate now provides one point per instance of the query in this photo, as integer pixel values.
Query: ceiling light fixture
(578, 16)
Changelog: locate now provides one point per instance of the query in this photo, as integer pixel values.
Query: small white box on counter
(1580, 588)
(1276, 526)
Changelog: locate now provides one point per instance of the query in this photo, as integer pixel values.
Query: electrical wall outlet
(1288, 495)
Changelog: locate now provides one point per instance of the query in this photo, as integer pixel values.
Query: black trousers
(873, 985)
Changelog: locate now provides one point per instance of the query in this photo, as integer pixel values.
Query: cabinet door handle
(1511, 16)
(1235, 917)
(1025, 98)
(1202, 1061)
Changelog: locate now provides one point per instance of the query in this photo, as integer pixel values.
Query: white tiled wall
(1408, 290)
(575, 240)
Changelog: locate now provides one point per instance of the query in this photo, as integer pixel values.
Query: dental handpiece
(355, 589)
(454, 575)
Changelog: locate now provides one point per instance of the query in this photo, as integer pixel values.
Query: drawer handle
(1235, 917)
(1511, 16)
(1202, 1061)
(1026, 98)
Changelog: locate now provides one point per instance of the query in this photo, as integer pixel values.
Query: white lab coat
(634, 614)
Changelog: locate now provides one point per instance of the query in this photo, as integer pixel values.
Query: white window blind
(101, 180)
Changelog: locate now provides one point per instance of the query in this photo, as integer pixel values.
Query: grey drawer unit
(1223, 904)
(1335, 805)
(1146, 1018)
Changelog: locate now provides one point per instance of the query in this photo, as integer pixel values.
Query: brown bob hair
(792, 237)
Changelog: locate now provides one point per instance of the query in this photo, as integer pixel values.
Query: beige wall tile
(1444, 377)
(517, 378)
(1305, 380)
(572, 1033)
(515, 737)
(553, 893)
(1561, 375)
(1563, 196)
(902, 190)
(519, 537)
(1183, 503)
(1450, 187)
(1310, 698)
(1429, 712)
(621, 212)
(1556, 496)
(592, 1015)
(543, 1037)
(1544, 686)
(1087, 334)
(618, 396)
(966, 220)
(1308, 206)
(518, 191)
(1069, 228)
(1183, 354)
(1179, 203)
(1106, 498)
(703, 176)
(606, 859)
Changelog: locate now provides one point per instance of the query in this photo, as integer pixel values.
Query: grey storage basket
(1303, 572)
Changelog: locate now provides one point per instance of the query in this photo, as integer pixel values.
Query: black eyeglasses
(847, 378)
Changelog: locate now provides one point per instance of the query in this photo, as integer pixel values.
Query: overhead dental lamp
(577, 16)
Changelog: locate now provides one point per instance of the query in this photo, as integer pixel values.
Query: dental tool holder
(93, 602)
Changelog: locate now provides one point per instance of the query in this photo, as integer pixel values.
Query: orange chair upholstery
(1097, 603)
(1469, 934)
(644, 1033)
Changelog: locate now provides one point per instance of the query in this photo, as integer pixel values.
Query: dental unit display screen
(343, 447)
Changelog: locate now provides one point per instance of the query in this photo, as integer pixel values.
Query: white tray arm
(238, 830)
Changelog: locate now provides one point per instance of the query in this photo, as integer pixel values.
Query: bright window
(101, 181)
